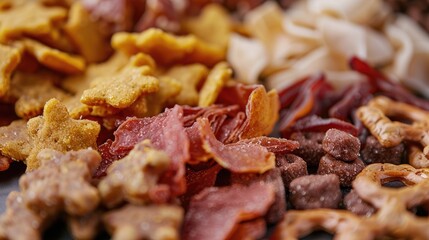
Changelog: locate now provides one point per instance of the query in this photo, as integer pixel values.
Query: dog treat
(135, 177)
(213, 119)
(144, 222)
(341, 145)
(315, 191)
(346, 171)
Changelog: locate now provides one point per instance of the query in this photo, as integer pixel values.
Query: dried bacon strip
(314, 123)
(215, 212)
(386, 86)
(287, 95)
(274, 145)
(166, 132)
(236, 157)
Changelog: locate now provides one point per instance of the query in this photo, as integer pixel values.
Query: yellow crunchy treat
(190, 76)
(156, 102)
(123, 88)
(85, 34)
(217, 78)
(56, 130)
(53, 58)
(32, 91)
(168, 49)
(31, 18)
(262, 112)
(9, 59)
(213, 25)
(14, 140)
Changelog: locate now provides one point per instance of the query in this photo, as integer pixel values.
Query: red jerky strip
(240, 157)
(196, 181)
(288, 94)
(166, 132)
(274, 145)
(107, 158)
(353, 97)
(229, 132)
(198, 154)
(314, 123)
(303, 103)
(215, 212)
(386, 86)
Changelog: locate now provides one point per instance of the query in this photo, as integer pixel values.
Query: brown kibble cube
(291, 167)
(346, 171)
(315, 191)
(341, 145)
(374, 152)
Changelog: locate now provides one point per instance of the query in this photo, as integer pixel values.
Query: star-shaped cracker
(31, 18)
(190, 76)
(122, 89)
(9, 59)
(53, 58)
(168, 49)
(14, 140)
(217, 78)
(212, 26)
(32, 91)
(57, 130)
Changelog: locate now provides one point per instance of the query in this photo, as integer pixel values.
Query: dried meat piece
(274, 145)
(56, 130)
(254, 229)
(291, 167)
(217, 78)
(273, 177)
(8, 62)
(86, 35)
(341, 145)
(240, 157)
(346, 171)
(53, 58)
(168, 49)
(62, 182)
(15, 142)
(145, 222)
(164, 131)
(134, 178)
(215, 212)
(374, 152)
(31, 18)
(310, 146)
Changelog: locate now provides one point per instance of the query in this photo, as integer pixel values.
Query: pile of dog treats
(234, 119)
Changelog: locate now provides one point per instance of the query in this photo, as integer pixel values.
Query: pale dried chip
(31, 18)
(56, 130)
(85, 34)
(262, 112)
(53, 58)
(14, 140)
(123, 88)
(217, 78)
(190, 76)
(10, 57)
(32, 91)
(168, 49)
(212, 26)
(134, 178)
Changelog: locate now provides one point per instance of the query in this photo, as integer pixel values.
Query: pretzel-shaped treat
(375, 116)
(392, 215)
(343, 224)
(416, 158)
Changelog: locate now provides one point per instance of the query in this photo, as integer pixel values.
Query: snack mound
(196, 120)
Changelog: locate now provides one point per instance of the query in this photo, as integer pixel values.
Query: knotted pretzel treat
(392, 205)
(375, 116)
